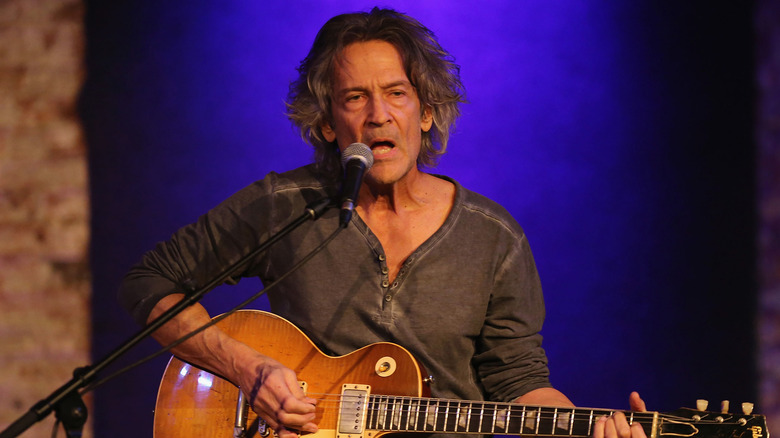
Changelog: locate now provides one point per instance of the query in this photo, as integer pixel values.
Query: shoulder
(483, 210)
(277, 195)
(296, 179)
(304, 179)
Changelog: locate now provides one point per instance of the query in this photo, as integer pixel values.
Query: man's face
(374, 103)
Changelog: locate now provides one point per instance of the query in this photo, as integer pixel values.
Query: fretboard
(411, 414)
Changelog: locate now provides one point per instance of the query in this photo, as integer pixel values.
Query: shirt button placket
(385, 280)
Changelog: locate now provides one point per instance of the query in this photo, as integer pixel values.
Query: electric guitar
(382, 389)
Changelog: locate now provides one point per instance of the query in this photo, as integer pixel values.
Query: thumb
(636, 402)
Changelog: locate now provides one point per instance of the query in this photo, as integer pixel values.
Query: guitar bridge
(353, 410)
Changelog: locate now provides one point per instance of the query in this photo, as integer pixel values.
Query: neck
(408, 193)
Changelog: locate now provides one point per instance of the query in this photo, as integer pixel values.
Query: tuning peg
(724, 406)
(747, 408)
(702, 404)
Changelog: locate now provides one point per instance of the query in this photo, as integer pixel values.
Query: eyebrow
(394, 84)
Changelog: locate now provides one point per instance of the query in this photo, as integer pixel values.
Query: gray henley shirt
(467, 303)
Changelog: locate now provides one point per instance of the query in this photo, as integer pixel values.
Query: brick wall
(44, 205)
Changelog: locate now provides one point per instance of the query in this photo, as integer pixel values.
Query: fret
(370, 415)
(393, 405)
(545, 421)
(487, 418)
(391, 421)
(522, 420)
(414, 413)
(451, 422)
(437, 412)
(430, 415)
(459, 420)
(571, 421)
(407, 412)
(382, 420)
(538, 417)
(445, 426)
(372, 412)
(481, 417)
(493, 424)
(397, 405)
(590, 423)
(508, 418)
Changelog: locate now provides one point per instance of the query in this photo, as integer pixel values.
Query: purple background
(618, 133)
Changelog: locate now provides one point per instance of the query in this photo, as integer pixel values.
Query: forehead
(368, 61)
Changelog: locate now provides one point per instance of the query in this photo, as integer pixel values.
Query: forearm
(545, 397)
(211, 349)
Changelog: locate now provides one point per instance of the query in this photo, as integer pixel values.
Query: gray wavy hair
(430, 69)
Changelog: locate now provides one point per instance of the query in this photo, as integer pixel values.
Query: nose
(378, 112)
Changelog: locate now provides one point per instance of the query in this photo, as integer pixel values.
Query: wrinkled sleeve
(510, 360)
(198, 252)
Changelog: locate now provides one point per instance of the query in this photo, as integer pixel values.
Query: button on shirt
(467, 303)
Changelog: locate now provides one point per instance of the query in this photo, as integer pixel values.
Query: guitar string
(333, 402)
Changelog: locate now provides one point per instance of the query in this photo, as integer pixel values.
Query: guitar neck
(412, 414)
(193, 402)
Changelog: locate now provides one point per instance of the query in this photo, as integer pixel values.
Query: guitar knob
(747, 408)
(724, 407)
(701, 405)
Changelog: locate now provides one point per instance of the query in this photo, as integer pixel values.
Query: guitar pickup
(353, 410)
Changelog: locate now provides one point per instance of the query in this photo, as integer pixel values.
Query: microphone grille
(358, 151)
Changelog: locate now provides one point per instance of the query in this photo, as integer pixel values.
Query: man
(424, 262)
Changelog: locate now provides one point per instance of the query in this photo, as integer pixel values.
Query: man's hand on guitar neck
(616, 426)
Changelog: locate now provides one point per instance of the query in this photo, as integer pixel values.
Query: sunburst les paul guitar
(382, 389)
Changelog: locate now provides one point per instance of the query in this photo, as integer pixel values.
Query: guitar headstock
(705, 424)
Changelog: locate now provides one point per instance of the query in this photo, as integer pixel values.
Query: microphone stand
(67, 402)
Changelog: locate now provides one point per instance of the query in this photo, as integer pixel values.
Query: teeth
(381, 149)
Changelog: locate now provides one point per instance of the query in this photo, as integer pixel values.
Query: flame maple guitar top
(193, 402)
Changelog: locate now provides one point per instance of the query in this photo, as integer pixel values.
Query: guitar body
(380, 389)
(192, 402)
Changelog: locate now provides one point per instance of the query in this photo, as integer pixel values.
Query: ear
(328, 132)
(427, 119)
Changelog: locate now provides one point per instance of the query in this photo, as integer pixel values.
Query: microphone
(356, 160)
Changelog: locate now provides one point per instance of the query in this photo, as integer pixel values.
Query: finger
(610, 431)
(295, 389)
(283, 432)
(598, 429)
(637, 431)
(283, 409)
(297, 420)
(636, 402)
(622, 428)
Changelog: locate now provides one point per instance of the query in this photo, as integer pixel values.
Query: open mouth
(381, 146)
